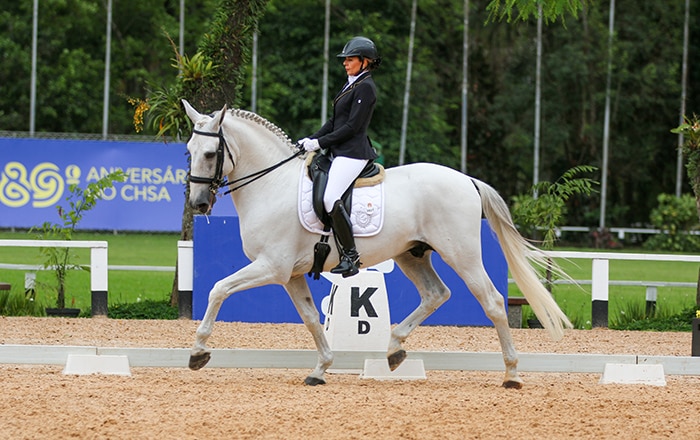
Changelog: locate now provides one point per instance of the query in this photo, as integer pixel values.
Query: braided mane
(245, 114)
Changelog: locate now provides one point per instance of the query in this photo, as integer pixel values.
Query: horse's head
(210, 157)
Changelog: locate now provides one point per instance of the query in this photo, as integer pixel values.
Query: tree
(551, 10)
(208, 80)
(645, 87)
(690, 129)
(71, 60)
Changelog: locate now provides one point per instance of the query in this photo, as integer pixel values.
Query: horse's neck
(258, 149)
(258, 146)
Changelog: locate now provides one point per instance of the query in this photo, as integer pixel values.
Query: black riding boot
(342, 228)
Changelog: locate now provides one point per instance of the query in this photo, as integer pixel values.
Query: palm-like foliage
(544, 208)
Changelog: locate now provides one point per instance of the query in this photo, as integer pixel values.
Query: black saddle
(318, 173)
(318, 168)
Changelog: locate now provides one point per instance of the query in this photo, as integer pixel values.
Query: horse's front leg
(257, 273)
(299, 292)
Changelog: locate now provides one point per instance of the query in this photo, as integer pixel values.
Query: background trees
(646, 82)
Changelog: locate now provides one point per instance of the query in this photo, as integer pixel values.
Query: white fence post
(599, 291)
(30, 285)
(651, 295)
(185, 278)
(99, 279)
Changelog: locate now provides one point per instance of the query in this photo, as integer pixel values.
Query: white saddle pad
(367, 214)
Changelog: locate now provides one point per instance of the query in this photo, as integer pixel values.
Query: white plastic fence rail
(98, 265)
(600, 278)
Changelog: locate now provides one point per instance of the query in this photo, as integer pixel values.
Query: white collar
(353, 78)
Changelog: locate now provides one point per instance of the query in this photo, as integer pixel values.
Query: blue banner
(35, 175)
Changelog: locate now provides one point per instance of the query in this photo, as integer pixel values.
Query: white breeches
(344, 170)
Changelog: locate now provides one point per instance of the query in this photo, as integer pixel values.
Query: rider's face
(352, 65)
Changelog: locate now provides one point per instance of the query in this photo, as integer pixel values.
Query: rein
(217, 181)
(258, 174)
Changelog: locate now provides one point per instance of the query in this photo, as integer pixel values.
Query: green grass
(123, 249)
(133, 287)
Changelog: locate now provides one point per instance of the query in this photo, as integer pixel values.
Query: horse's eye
(210, 155)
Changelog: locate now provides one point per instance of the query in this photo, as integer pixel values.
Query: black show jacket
(345, 133)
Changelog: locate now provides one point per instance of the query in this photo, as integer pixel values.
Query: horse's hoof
(395, 359)
(512, 384)
(313, 381)
(198, 361)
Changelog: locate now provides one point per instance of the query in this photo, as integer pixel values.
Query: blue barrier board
(218, 253)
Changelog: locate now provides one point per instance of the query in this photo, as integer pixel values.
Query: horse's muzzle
(203, 208)
(203, 203)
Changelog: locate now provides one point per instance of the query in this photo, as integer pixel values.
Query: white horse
(428, 208)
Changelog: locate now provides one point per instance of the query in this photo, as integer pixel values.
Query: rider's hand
(310, 144)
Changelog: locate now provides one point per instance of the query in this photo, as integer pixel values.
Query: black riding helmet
(360, 47)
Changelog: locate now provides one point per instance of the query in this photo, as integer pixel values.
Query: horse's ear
(222, 114)
(193, 114)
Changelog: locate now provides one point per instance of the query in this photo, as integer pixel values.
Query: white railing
(621, 232)
(38, 267)
(99, 270)
(600, 280)
(600, 276)
(98, 265)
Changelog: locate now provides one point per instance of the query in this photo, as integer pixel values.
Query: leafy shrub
(547, 210)
(675, 216)
(629, 314)
(18, 304)
(148, 309)
(632, 315)
(681, 322)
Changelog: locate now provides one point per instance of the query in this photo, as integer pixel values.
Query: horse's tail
(519, 254)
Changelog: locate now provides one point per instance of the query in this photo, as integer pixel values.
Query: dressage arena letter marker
(363, 327)
(378, 369)
(357, 312)
(82, 364)
(634, 374)
(358, 301)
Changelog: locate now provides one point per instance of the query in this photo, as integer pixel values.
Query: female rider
(345, 134)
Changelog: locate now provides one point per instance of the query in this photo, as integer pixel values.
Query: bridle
(217, 181)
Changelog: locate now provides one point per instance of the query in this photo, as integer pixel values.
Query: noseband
(217, 181)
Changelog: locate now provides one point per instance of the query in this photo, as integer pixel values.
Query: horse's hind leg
(433, 293)
(492, 302)
(299, 292)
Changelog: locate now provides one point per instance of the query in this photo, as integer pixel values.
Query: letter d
(363, 327)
